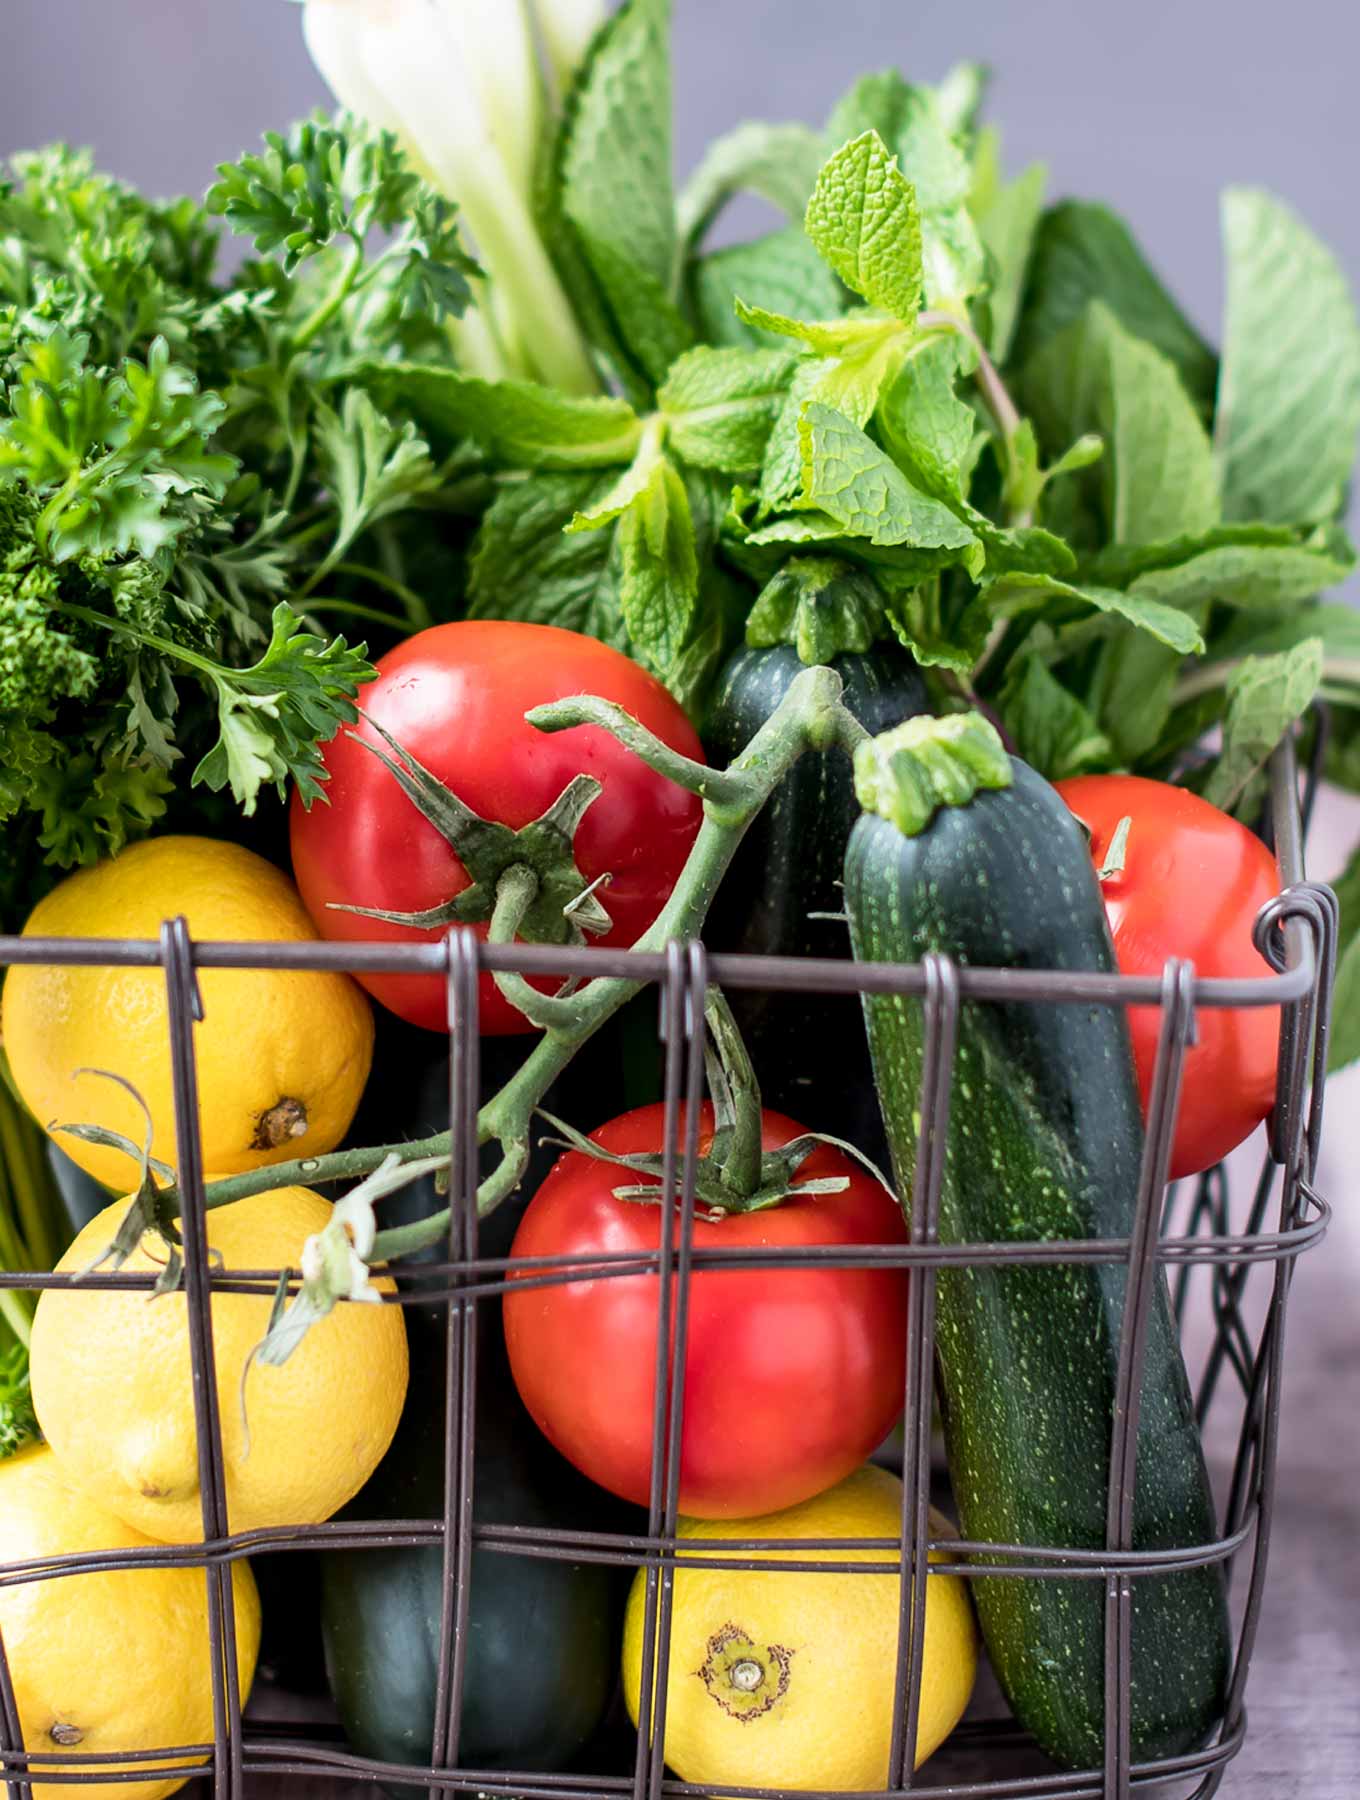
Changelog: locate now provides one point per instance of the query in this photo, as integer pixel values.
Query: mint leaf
(780, 274)
(781, 476)
(1085, 252)
(959, 97)
(1008, 225)
(1337, 624)
(618, 496)
(720, 405)
(1020, 593)
(1131, 691)
(924, 423)
(910, 122)
(1249, 577)
(1158, 478)
(1343, 1046)
(526, 566)
(1265, 697)
(517, 423)
(1018, 549)
(1289, 393)
(862, 217)
(780, 163)
(616, 187)
(846, 475)
(827, 337)
(1118, 564)
(1160, 460)
(853, 382)
(916, 616)
(660, 579)
(762, 550)
(1053, 731)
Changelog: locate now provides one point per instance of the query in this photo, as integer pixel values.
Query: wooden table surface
(1303, 1701)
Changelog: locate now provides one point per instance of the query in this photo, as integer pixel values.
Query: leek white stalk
(566, 27)
(457, 82)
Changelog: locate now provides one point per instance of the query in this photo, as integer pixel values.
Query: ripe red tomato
(1192, 884)
(455, 697)
(792, 1376)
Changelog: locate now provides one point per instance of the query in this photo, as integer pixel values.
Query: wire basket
(1285, 1215)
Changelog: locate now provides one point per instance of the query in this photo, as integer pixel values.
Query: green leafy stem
(810, 717)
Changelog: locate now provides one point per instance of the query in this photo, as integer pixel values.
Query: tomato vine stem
(811, 716)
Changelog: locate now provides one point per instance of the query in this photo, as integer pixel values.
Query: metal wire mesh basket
(1284, 1216)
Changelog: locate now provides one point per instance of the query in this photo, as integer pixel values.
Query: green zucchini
(542, 1635)
(782, 895)
(1044, 1140)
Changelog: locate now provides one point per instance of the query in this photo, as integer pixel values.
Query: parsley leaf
(273, 715)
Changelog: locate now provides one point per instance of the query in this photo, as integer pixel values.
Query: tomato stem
(810, 716)
(1117, 853)
(516, 891)
(736, 1099)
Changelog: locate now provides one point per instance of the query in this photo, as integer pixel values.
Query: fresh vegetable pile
(912, 578)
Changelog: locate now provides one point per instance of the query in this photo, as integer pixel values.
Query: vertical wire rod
(941, 1005)
(1296, 1130)
(1178, 1014)
(11, 1731)
(1317, 907)
(185, 1004)
(696, 994)
(676, 1016)
(460, 1361)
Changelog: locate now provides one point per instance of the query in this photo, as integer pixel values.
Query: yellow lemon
(111, 1386)
(785, 1680)
(115, 1661)
(282, 1055)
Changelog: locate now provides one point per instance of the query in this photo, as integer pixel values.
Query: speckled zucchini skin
(809, 1050)
(1044, 1140)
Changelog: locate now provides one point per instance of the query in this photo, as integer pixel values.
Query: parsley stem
(318, 320)
(351, 609)
(121, 628)
(417, 612)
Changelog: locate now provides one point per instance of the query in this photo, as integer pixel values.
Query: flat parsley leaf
(274, 716)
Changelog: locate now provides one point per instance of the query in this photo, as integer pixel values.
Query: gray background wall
(1154, 105)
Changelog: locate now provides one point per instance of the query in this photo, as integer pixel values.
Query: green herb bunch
(188, 477)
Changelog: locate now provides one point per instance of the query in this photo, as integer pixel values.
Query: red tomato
(792, 1376)
(1192, 884)
(455, 697)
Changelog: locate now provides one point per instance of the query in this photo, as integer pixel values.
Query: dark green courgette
(809, 1049)
(1044, 1140)
(542, 1635)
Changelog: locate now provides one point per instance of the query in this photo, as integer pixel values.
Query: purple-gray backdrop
(1153, 106)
